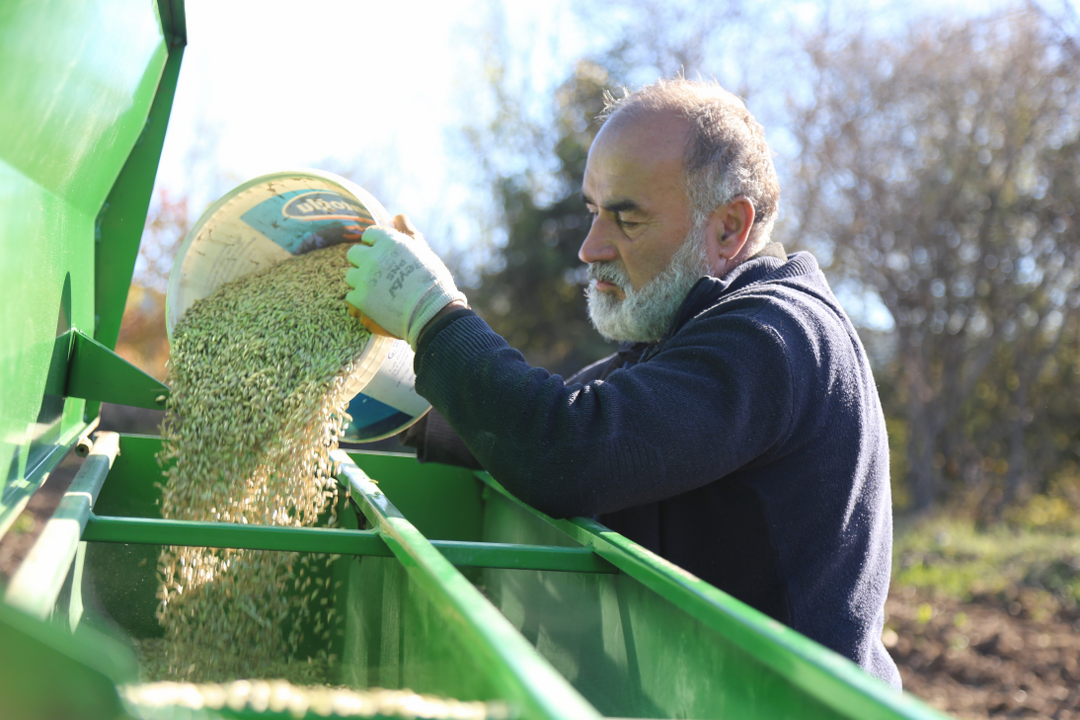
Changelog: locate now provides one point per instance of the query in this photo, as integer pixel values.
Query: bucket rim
(173, 291)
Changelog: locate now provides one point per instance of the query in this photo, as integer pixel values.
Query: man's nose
(597, 246)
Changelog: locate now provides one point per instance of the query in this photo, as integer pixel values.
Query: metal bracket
(97, 373)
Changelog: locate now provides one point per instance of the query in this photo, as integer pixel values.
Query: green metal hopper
(449, 585)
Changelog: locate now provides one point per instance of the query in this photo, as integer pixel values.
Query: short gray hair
(726, 153)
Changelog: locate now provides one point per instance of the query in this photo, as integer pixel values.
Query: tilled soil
(986, 658)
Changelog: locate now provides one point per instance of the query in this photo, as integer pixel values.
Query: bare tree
(940, 172)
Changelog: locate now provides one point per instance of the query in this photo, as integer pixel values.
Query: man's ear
(729, 229)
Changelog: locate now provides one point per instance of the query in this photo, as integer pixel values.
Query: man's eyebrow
(621, 206)
(616, 206)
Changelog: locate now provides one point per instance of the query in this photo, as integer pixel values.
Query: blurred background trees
(533, 294)
(933, 168)
(939, 172)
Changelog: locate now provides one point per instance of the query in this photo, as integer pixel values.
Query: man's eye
(627, 224)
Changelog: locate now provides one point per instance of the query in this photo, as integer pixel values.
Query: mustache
(609, 271)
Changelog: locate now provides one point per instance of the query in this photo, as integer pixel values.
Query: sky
(270, 86)
(380, 89)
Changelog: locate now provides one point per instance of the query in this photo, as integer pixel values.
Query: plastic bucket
(273, 218)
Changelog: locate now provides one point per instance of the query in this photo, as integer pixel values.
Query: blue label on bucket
(373, 419)
(304, 220)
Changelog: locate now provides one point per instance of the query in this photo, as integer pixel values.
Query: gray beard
(646, 314)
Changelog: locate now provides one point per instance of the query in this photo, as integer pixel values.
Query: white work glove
(398, 282)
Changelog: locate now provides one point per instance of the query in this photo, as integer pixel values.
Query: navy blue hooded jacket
(748, 446)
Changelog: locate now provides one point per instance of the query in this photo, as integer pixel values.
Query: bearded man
(737, 432)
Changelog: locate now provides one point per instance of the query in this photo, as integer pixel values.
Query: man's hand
(399, 284)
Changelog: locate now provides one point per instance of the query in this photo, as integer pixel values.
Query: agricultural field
(984, 622)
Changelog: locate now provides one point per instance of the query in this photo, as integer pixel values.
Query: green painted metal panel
(121, 578)
(443, 502)
(134, 486)
(509, 663)
(79, 82)
(120, 222)
(625, 648)
(397, 635)
(689, 649)
(45, 673)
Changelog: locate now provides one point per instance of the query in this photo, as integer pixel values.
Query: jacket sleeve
(435, 441)
(716, 397)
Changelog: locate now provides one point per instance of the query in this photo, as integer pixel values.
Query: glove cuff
(435, 300)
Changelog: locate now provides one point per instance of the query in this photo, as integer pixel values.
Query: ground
(985, 623)
(976, 660)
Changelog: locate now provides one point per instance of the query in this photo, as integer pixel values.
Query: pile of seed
(259, 375)
(280, 697)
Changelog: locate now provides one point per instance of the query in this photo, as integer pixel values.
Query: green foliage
(533, 155)
(898, 465)
(1056, 509)
(1028, 570)
(535, 296)
(939, 170)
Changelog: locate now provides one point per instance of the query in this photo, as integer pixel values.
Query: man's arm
(697, 411)
(700, 409)
(435, 441)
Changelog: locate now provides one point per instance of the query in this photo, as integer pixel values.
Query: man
(738, 431)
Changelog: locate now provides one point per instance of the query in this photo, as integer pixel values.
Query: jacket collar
(708, 290)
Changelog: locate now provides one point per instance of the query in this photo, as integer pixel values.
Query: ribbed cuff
(430, 308)
(437, 327)
(451, 351)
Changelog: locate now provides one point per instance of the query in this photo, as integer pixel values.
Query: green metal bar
(37, 583)
(18, 493)
(821, 673)
(337, 541)
(529, 680)
(173, 21)
(146, 531)
(97, 373)
(511, 556)
(122, 217)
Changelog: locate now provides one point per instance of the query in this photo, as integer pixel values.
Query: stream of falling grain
(259, 374)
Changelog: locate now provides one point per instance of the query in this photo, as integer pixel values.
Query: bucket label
(373, 419)
(303, 220)
(388, 403)
(323, 205)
